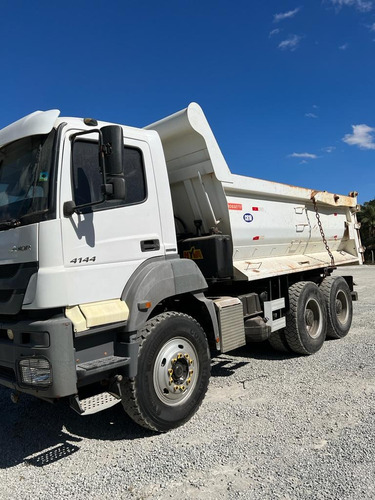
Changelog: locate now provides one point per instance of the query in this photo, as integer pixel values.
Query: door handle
(150, 245)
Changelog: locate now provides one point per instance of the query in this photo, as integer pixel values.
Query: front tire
(173, 373)
(278, 342)
(306, 322)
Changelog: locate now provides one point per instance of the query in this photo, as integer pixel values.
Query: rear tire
(306, 322)
(173, 373)
(339, 306)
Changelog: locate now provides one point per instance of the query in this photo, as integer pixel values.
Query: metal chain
(322, 232)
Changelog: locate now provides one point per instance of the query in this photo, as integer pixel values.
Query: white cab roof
(39, 122)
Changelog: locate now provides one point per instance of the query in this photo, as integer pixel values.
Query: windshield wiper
(31, 215)
(11, 223)
(8, 224)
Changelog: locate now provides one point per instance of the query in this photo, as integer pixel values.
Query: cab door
(104, 244)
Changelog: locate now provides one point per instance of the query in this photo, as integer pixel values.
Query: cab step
(94, 404)
(100, 365)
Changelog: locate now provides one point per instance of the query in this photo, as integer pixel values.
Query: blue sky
(287, 86)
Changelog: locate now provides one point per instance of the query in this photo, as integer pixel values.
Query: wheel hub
(180, 370)
(313, 320)
(342, 307)
(339, 307)
(174, 371)
(309, 318)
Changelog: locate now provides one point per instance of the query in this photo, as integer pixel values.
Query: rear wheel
(306, 323)
(173, 373)
(339, 306)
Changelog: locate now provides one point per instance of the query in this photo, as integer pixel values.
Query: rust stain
(333, 199)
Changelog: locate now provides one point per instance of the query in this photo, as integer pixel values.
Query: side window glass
(87, 179)
(135, 184)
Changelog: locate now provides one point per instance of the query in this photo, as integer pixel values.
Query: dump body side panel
(273, 226)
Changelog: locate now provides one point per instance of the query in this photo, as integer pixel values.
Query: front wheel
(278, 342)
(173, 373)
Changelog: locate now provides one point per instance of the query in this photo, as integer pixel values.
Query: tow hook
(14, 397)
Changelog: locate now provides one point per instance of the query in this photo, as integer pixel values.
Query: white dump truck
(129, 257)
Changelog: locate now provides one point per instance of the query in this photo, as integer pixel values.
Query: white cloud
(311, 115)
(361, 5)
(344, 46)
(290, 43)
(363, 136)
(285, 15)
(372, 27)
(274, 32)
(329, 149)
(306, 156)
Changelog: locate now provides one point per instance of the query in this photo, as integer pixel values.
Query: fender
(158, 279)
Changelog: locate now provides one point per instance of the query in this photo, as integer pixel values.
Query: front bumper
(51, 340)
(46, 359)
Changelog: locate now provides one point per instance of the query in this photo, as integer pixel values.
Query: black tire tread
(325, 288)
(291, 331)
(278, 342)
(129, 391)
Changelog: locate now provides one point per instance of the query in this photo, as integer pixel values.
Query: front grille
(7, 373)
(5, 295)
(8, 271)
(3, 335)
(14, 279)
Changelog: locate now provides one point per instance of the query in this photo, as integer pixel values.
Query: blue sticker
(43, 176)
(248, 217)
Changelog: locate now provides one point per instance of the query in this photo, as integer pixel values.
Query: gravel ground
(271, 427)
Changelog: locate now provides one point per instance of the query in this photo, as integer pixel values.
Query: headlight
(35, 372)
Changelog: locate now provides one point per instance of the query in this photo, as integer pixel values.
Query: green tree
(367, 219)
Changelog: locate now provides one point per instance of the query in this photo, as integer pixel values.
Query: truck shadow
(262, 350)
(38, 433)
(224, 365)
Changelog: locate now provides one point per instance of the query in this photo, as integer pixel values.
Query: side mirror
(112, 149)
(109, 168)
(69, 208)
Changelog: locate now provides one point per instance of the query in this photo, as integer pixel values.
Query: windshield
(25, 171)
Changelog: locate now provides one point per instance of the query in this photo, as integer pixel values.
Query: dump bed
(275, 228)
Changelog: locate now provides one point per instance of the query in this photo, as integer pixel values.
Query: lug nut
(179, 355)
